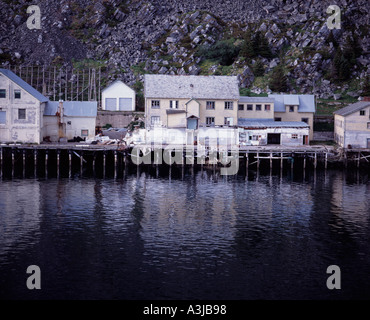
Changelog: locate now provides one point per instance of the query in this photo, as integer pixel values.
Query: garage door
(111, 104)
(125, 104)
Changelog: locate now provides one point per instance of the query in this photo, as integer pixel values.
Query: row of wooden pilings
(64, 162)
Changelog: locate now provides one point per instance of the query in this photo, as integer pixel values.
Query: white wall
(116, 91)
(72, 130)
(20, 130)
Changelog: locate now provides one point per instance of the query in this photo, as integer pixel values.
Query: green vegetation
(255, 45)
(258, 69)
(88, 63)
(223, 52)
(138, 69)
(278, 80)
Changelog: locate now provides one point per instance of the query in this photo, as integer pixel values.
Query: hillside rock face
(163, 36)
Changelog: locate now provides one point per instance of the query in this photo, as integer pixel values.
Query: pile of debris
(111, 136)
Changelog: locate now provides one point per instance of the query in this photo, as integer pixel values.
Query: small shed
(118, 97)
(69, 119)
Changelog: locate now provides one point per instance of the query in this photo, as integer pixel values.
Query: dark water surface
(194, 237)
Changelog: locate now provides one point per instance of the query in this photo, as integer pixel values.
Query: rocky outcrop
(162, 36)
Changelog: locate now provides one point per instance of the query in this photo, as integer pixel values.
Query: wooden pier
(65, 160)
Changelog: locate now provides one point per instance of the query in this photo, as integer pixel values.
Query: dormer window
(291, 108)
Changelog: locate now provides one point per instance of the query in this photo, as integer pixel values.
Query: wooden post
(58, 163)
(24, 163)
(1, 162)
(35, 162)
(246, 161)
(326, 160)
(46, 163)
(115, 164)
(358, 160)
(12, 162)
(315, 163)
(104, 160)
(281, 161)
(81, 162)
(94, 158)
(270, 160)
(70, 164)
(292, 163)
(258, 160)
(304, 162)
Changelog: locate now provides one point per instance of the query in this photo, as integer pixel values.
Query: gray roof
(305, 102)
(352, 108)
(116, 81)
(73, 108)
(270, 123)
(24, 85)
(244, 99)
(173, 111)
(188, 87)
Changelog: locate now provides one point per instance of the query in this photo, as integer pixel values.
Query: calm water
(193, 237)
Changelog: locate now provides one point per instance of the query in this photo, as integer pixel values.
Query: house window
(305, 120)
(154, 120)
(250, 107)
(368, 124)
(84, 133)
(267, 107)
(277, 119)
(258, 107)
(362, 112)
(291, 108)
(155, 104)
(21, 114)
(2, 93)
(294, 136)
(210, 121)
(210, 105)
(2, 117)
(228, 105)
(17, 94)
(174, 104)
(241, 107)
(228, 121)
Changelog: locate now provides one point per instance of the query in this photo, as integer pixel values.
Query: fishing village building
(352, 125)
(21, 110)
(27, 116)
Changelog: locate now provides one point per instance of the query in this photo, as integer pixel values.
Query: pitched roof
(352, 108)
(73, 108)
(244, 99)
(188, 87)
(24, 85)
(270, 123)
(305, 102)
(117, 82)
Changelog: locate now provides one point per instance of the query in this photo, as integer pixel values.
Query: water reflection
(194, 235)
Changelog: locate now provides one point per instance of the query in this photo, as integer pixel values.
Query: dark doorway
(305, 140)
(273, 138)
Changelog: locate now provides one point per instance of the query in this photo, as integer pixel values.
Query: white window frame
(209, 121)
(156, 104)
(155, 120)
(210, 105)
(174, 104)
(229, 105)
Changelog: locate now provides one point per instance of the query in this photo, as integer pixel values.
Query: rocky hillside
(199, 37)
